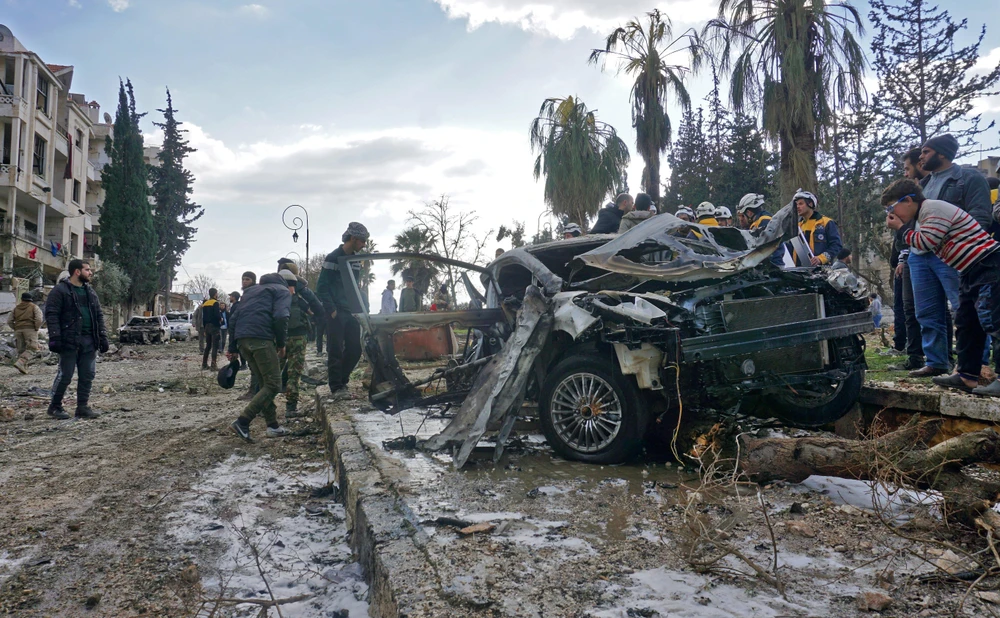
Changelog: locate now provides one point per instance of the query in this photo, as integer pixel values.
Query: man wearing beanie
(935, 284)
(342, 330)
(25, 319)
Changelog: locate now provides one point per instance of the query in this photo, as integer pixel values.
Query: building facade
(50, 184)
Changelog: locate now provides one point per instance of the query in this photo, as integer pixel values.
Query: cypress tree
(127, 235)
(171, 188)
(688, 162)
(927, 81)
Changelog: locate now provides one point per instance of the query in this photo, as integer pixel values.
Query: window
(76, 191)
(38, 161)
(79, 139)
(42, 102)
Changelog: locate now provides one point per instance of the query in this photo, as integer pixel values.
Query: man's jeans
(914, 349)
(211, 337)
(935, 284)
(82, 359)
(973, 316)
(898, 314)
(262, 356)
(343, 345)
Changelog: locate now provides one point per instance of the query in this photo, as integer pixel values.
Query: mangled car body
(145, 329)
(609, 333)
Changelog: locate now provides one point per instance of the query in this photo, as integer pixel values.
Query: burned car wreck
(608, 334)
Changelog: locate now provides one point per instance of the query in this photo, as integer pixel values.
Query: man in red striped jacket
(955, 237)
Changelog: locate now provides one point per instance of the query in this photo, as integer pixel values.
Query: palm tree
(416, 240)
(642, 51)
(367, 276)
(582, 158)
(793, 60)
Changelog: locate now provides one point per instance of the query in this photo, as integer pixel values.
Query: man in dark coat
(342, 330)
(211, 328)
(609, 218)
(76, 333)
(259, 325)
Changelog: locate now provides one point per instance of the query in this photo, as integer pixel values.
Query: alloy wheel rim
(586, 412)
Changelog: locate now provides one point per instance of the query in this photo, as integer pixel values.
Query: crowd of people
(944, 219)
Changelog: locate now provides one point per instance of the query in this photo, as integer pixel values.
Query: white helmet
(705, 209)
(750, 200)
(684, 210)
(723, 213)
(800, 194)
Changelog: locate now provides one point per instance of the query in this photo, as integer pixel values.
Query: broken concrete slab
(941, 402)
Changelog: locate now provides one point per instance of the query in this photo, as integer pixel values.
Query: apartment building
(52, 152)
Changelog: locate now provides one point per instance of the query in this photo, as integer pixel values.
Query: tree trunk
(904, 452)
(651, 178)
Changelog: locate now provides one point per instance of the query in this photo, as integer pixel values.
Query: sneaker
(240, 430)
(86, 412)
(295, 414)
(214, 367)
(277, 432)
(341, 394)
(913, 362)
(57, 413)
(204, 366)
(21, 366)
(245, 397)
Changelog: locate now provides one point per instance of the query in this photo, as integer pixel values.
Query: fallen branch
(264, 602)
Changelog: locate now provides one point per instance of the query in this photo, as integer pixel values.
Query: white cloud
(75, 4)
(256, 10)
(119, 5)
(988, 62)
(564, 18)
(373, 177)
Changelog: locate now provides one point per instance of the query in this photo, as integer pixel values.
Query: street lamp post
(296, 225)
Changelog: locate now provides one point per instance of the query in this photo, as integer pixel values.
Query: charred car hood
(666, 248)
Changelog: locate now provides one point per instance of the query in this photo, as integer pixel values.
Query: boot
(215, 366)
(21, 365)
(56, 412)
(86, 411)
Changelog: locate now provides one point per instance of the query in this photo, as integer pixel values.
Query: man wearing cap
(304, 303)
(610, 217)
(25, 319)
(343, 331)
(935, 283)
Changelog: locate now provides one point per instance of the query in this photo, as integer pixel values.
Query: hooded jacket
(25, 316)
(632, 219)
(262, 312)
(65, 321)
(303, 301)
(211, 314)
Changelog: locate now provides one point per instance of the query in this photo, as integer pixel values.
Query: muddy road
(156, 508)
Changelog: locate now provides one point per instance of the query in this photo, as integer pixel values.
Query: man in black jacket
(76, 333)
(259, 325)
(609, 218)
(342, 330)
(211, 328)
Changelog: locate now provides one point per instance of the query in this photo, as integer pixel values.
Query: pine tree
(718, 159)
(752, 167)
(688, 162)
(127, 234)
(171, 189)
(926, 81)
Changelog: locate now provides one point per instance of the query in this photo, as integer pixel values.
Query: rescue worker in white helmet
(752, 214)
(685, 214)
(724, 216)
(706, 214)
(820, 232)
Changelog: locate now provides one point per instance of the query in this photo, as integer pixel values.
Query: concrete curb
(384, 533)
(986, 409)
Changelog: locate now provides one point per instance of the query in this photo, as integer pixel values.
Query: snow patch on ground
(867, 495)
(240, 506)
(9, 564)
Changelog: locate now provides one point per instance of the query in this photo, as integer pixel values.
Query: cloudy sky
(356, 109)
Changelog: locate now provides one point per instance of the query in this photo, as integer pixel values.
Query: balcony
(12, 106)
(9, 175)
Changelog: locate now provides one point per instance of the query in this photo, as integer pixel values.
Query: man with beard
(76, 333)
(935, 284)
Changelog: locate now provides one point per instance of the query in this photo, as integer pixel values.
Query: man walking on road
(211, 327)
(76, 333)
(25, 319)
(343, 331)
(259, 327)
(388, 300)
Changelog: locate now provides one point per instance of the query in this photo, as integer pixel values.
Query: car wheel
(817, 404)
(591, 412)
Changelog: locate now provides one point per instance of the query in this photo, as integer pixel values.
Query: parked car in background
(140, 329)
(181, 328)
